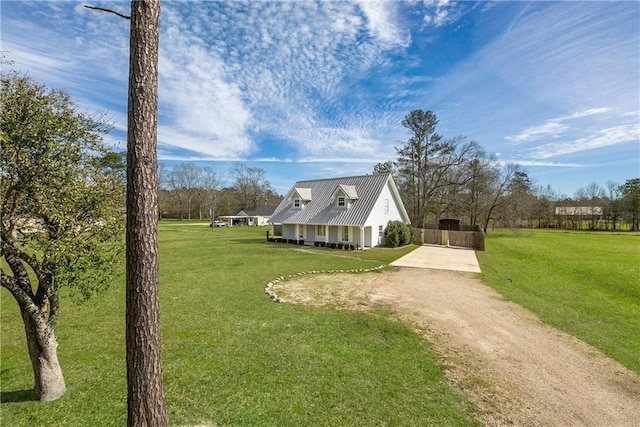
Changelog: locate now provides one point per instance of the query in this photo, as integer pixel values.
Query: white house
(352, 210)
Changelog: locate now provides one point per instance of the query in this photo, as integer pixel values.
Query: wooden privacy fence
(462, 239)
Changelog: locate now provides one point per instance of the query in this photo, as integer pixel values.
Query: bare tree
(613, 210)
(209, 186)
(499, 189)
(472, 197)
(594, 195)
(184, 181)
(544, 211)
(429, 168)
(251, 186)
(589, 199)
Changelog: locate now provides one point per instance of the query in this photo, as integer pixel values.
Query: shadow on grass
(249, 241)
(17, 396)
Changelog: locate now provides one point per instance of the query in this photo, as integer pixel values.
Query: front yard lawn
(232, 356)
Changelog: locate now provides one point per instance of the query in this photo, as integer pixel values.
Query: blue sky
(310, 90)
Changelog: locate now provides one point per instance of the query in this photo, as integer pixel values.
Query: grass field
(586, 284)
(231, 355)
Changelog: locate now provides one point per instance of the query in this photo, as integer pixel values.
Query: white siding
(378, 217)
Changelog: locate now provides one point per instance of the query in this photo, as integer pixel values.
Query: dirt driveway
(517, 370)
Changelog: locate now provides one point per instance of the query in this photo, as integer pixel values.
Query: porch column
(361, 238)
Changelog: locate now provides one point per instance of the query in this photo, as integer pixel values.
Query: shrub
(403, 231)
(392, 239)
(406, 236)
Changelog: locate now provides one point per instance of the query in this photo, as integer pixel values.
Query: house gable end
(388, 206)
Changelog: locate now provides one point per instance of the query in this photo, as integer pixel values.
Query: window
(386, 206)
(301, 232)
(342, 202)
(296, 203)
(380, 231)
(320, 231)
(345, 234)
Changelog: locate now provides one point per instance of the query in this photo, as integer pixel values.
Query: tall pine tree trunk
(145, 396)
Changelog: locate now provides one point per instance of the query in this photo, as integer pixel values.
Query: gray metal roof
(322, 209)
(304, 193)
(349, 191)
(260, 210)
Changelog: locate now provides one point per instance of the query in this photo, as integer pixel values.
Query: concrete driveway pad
(440, 258)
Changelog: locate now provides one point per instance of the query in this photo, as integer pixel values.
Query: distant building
(579, 210)
(257, 216)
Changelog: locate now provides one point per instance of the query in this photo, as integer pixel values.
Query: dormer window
(344, 196)
(299, 197)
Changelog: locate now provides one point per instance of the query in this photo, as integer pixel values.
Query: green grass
(586, 284)
(232, 356)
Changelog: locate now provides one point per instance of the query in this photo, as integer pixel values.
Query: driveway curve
(516, 369)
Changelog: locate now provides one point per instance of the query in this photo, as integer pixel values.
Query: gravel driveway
(516, 369)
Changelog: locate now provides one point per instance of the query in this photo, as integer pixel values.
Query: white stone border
(268, 289)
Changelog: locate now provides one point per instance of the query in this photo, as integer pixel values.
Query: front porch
(336, 236)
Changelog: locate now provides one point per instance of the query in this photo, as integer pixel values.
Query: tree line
(455, 178)
(188, 191)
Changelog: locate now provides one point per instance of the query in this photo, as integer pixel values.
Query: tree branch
(121, 15)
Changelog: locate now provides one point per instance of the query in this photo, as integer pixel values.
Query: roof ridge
(343, 177)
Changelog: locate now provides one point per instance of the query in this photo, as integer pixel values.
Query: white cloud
(442, 12)
(569, 54)
(381, 23)
(332, 160)
(553, 127)
(242, 68)
(589, 112)
(539, 163)
(604, 138)
(206, 146)
(560, 71)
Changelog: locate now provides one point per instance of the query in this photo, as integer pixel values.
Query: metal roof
(304, 193)
(348, 190)
(322, 208)
(260, 210)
